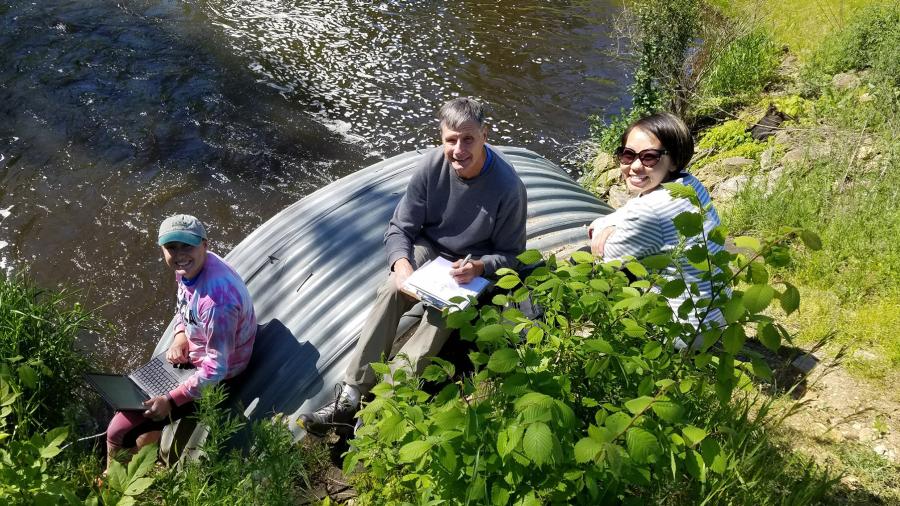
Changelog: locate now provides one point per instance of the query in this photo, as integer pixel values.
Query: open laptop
(156, 377)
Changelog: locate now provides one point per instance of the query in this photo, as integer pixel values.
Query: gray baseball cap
(181, 228)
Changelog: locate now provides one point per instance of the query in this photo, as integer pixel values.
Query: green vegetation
(591, 403)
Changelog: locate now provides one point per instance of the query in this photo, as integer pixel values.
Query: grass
(802, 25)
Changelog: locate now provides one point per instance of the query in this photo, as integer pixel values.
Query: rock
(884, 451)
(850, 481)
(617, 196)
(795, 156)
(845, 81)
(772, 179)
(767, 159)
(865, 355)
(867, 434)
(716, 173)
(866, 97)
(727, 189)
(783, 137)
(603, 162)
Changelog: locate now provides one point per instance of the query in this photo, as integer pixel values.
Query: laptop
(128, 393)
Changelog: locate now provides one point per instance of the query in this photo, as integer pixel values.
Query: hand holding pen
(466, 270)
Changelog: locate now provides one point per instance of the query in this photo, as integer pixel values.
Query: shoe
(338, 412)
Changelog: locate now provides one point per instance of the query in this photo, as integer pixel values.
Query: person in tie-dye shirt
(215, 327)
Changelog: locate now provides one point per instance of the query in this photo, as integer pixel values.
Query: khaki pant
(380, 330)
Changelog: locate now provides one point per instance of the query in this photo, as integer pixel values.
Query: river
(114, 115)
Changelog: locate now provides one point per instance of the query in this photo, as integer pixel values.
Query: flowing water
(114, 115)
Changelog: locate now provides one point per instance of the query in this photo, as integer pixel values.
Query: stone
(783, 137)
(845, 81)
(735, 163)
(773, 178)
(768, 125)
(603, 162)
(867, 434)
(794, 157)
(884, 451)
(727, 189)
(617, 196)
(767, 159)
(865, 355)
(866, 97)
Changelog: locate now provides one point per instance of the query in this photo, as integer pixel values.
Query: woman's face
(639, 178)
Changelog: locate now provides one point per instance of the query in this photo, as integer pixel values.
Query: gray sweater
(484, 216)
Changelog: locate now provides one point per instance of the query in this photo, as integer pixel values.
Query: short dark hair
(460, 110)
(674, 135)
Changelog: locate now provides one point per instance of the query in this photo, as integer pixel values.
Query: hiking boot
(338, 412)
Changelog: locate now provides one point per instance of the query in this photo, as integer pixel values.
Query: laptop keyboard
(154, 378)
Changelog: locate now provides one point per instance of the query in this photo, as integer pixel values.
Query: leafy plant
(590, 403)
(122, 485)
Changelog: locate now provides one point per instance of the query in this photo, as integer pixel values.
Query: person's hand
(158, 408)
(598, 240)
(178, 351)
(402, 270)
(462, 274)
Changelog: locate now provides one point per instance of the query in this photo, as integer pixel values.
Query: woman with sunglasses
(654, 150)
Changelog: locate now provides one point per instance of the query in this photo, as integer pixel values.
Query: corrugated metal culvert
(314, 267)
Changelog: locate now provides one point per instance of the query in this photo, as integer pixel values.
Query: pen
(465, 260)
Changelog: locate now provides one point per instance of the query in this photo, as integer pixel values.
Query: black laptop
(154, 378)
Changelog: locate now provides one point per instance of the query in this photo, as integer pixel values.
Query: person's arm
(406, 223)
(637, 233)
(509, 232)
(178, 350)
(220, 325)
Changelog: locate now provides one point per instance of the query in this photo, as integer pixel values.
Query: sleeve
(179, 318)
(407, 220)
(638, 234)
(221, 327)
(612, 219)
(509, 232)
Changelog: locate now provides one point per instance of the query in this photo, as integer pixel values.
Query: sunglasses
(648, 157)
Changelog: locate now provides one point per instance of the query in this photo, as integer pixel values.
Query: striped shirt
(643, 227)
(216, 313)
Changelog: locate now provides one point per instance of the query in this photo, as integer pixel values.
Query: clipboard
(433, 285)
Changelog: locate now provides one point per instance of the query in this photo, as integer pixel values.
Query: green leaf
(56, 436)
(811, 239)
(757, 273)
(531, 256)
(447, 456)
(695, 465)
(587, 449)
(535, 335)
(583, 257)
(27, 376)
(713, 456)
(499, 300)
(642, 445)
(733, 338)
(790, 299)
(688, 223)
(693, 435)
(769, 336)
(508, 281)
(434, 373)
(652, 350)
(734, 309)
(673, 288)
(380, 368)
(758, 297)
(413, 451)
(598, 345)
(637, 269)
(503, 360)
(138, 486)
(617, 422)
(761, 369)
(747, 242)
(680, 191)
(499, 494)
(657, 262)
(538, 443)
(599, 285)
(638, 404)
(494, 334)
(48, 452)
(668, 411)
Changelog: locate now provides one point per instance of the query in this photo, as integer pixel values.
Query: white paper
(433, 279)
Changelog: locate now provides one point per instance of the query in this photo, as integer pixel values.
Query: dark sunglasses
(648, 157)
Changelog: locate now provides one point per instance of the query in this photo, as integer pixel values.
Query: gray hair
(460, 110)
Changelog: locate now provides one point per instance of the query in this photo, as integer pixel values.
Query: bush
(742, 69)
(38, 332)
(591, 403)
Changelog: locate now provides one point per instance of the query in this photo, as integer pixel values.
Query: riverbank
(832, 114)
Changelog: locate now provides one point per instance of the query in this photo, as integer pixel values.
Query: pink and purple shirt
(216, 313)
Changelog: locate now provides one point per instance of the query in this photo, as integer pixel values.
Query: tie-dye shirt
(216, 313)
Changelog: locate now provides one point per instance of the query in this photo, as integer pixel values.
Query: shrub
(743, 68)
(591, 403)
(38, 331)
(871, 40)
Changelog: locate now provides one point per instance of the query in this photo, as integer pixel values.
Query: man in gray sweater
(463, 198)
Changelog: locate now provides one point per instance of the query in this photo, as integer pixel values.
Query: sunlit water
(116, 114)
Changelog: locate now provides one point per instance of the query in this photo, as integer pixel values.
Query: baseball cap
(181, 228)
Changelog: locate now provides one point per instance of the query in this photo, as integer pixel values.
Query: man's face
(464, 148)
(185, 259)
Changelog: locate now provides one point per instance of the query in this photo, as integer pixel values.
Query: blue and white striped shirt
(643, 227)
